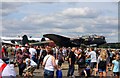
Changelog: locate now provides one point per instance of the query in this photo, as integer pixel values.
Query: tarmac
(40, 71)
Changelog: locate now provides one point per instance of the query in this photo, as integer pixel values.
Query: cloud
(30, 1)
(59, 23)
(80, 12)
(107, 20)
(59, 1)
(51, 23)
(7, 11)
(67, 21)
(38, 19)
(9, 7)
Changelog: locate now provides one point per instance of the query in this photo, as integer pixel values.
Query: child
(59, 72)
(115, 66)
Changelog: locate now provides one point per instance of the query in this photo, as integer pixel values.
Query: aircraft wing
(41, 43)
(59, 40)
(8, 42)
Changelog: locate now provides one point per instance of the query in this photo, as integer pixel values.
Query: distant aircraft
(21, 40)
(76, 42)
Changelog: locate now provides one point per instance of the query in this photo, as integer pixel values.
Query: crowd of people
(89, 60)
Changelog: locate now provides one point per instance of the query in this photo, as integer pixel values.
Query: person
(30, 67)
(25, 53)
(110, 64)
(86, 71)
(71, 62)
(59, 71)
(49, 63)
(3, 51)
(9, 51)
(33, 53)
(81, 62)
(21, 61)
(38, 53)
(115, 66)
(64, 52)
(42, 54)
(102, 63)
(88, 59)
(93, 62)
(60, 57)
(7, 70)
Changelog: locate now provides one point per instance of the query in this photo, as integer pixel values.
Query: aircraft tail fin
(25, 40)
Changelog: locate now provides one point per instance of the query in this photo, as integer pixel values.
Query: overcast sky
(70, 19)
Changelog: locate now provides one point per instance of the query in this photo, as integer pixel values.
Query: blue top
(116, 66)
(59, 74)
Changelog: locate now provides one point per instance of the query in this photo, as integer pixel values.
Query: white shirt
(32, 51)
(32, 62)
(93, 56)
(22, 48)
(49, 64)
(8, 70)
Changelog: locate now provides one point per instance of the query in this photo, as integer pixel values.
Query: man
(33, 53)
(42, 54)
(92, 55)
(7, 70)
(30, 67)
(71, 62)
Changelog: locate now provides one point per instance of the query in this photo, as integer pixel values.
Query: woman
(102, 63)
(81, 62)
(25, 53)
(60, 57)
(49, 64)
(21, 61)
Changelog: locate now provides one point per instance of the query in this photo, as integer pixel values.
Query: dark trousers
(21, 66)
(38, 63)
(48, 74)
(71, 70)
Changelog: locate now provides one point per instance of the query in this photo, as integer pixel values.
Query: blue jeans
(48, 74)
(71, 70)
(34, 59)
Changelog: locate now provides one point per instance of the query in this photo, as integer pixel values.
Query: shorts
(116, 73)
(93, 65)
(102, 70)
(30, 69)
(48, 74)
